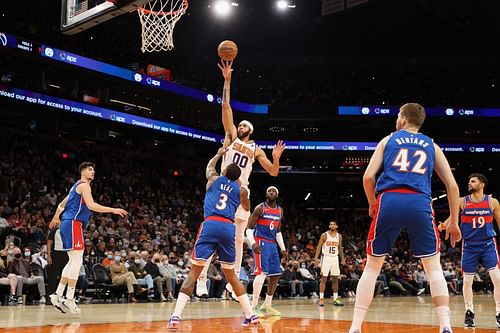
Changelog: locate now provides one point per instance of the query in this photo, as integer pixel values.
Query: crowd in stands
(305, 80)
(148, 252)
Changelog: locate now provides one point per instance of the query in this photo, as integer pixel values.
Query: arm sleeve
(279, 240)
(251, 239)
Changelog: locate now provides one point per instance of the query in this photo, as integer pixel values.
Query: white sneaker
(42, 300)
(315, 295)
(71, 305)
(201, 288)
(55, 299)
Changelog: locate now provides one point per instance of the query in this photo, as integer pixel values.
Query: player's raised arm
(244, 201)
(271, 167)
(227, 112)
(210, 171)
(369, 177)
(86, 193)
(443, 170)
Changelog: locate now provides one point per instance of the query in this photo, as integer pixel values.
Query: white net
(158, 19)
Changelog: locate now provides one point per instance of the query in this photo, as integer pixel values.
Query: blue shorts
(400, 209)
(215, 234)
(268, 260)
(484, 252)
(72, 235)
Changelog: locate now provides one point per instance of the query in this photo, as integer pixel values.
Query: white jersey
(243, 155)
(331, 245)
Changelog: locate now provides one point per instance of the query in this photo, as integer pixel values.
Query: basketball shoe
(174, 323)
(71, 305)
(469, 319)
(338, 302)
(253, 320)
(321, 302)
(55, 299)
(269, 310)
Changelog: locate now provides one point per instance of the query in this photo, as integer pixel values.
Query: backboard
(80, 15)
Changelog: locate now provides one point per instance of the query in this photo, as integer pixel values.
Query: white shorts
(241, 213)
(330, 266)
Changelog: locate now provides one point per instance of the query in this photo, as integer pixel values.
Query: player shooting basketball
(244, 152)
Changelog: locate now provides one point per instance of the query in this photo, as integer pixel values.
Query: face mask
(165, 262)
(158, 237)
(110, 256)
(302, 266)
(137, 261)
(17, 255)
(135, 248)
(124, 254)
(27, 254)
(180, 263)
(118, 258)
(10, 252)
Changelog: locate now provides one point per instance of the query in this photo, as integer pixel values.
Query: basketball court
(387, 314)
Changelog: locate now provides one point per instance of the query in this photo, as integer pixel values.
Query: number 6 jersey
(477, 219)
(408, 162)
(243, 155)
(268, 222)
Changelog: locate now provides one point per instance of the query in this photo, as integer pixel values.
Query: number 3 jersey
(222, 198)
(408, 162)
(477, 219)
(243, 155)
(268, 222)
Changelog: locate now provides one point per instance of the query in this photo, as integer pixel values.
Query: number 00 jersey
(477, 219)
(243, 155)
(331, 245)
(222, 198)
(408, 162)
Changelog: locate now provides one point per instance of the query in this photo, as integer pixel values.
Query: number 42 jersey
(243, 155)
(408, 162)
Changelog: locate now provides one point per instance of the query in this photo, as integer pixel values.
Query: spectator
(121, 276)
(22, 267)
(106, 262)
(143, 278)
(310, 282)
(420, 277)
(153, 269)
(9, 279)
(217, 280)
(293, 278)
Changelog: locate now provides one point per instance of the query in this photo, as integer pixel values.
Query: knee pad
(437, 283)
(74, 264)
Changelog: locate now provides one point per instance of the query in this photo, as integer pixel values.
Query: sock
(467, 291)
(321, 295)
(70, 293)
(269, 300)
(443, 314)
(335, 296)
(245, 304)
(357, 319)
(60, 290)
(182, 299)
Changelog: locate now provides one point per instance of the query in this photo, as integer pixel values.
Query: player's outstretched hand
(256, 248)
(119, 211)
(222, 150)
(54, 223)
(226, 68)
(453, 233)
(278, 150)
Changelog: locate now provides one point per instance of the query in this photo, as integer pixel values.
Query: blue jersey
(268, 223)
(408, 162)
(76, 209)
(222, 198)
(477, 219)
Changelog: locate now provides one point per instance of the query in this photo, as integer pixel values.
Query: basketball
(227, 50)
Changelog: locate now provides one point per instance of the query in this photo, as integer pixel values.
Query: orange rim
(148, 11)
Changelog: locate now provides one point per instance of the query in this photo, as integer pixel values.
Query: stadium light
(284, 5)
(223, 7)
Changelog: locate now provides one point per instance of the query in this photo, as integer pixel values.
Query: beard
(242, 135)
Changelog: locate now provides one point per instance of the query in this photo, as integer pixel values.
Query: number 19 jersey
(408, 162)
(477, 219)
(243, 155)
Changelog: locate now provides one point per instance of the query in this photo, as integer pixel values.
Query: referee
(56, 258)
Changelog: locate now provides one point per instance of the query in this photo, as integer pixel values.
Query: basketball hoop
(158, 19)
